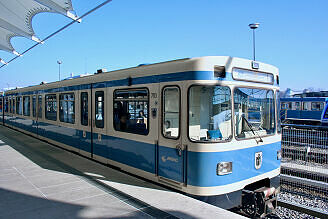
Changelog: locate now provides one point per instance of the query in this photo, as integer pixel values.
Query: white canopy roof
(16, 18)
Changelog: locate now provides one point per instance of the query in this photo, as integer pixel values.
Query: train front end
(234, 139)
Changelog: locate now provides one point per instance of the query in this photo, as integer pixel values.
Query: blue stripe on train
(201, 165)
(136, 154)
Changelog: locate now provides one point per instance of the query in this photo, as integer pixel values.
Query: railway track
(315, 212)
(304, 195)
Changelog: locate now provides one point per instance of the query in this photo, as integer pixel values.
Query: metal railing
(304, 166)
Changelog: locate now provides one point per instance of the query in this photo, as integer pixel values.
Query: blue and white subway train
(304, 110)
(208, 126)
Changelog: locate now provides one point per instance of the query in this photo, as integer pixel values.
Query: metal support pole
(59, 63)
(254, 44)
(253, 27)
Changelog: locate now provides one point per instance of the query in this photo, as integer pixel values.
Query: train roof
(186, 65)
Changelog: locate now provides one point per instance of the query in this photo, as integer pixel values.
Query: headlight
(279, 155)
(224, 168)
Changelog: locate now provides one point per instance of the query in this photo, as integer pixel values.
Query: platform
(39, 180)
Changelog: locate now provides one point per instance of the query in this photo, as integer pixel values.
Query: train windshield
(254, 112)
(209, 113)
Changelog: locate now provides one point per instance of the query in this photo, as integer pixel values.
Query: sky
(293, 36)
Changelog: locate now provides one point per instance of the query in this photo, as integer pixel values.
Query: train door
(99, 149)
(85, 122)
(171, 154)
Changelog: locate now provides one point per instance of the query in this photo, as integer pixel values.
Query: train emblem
(258, 160)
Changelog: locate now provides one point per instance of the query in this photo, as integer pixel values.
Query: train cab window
(317, 106)
(19, 106)
(99, 113)
(51, 107)
(171, 112)
(34, 106)
(209, 113)
(67, 108)
(26, 105)
(131, 111)
(39, 106)
(84, 109)
(254, 112)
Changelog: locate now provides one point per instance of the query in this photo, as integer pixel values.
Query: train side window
(171, 112)
(67, 108)
(317, 106)
(99, 112)
(10, 106)
(84, 109)
(19, 107)
(26, 105)
(284, 106)
(51, 107)
(34, 106)
(39, 106)
(14, 105)
(296, 106)
(6, 105)
(306, 106)
(131, 111)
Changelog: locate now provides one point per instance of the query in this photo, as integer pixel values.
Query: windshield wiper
(251, 128)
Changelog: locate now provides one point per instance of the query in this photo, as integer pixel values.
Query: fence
(304, 166)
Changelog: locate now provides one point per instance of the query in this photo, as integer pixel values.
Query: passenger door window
(84, 109)
(19, 108)
(40, 106)
(6, 105)
(171, 112)
(99, 111)
(34, 106)
(26, 105)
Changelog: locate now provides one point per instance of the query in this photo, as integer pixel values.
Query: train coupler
(260, 202)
